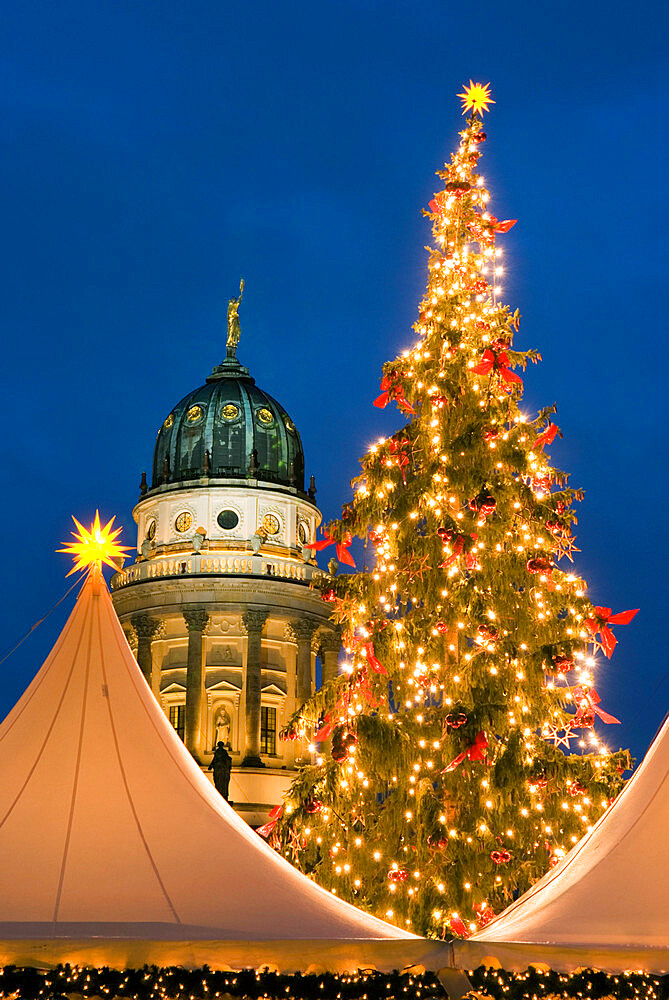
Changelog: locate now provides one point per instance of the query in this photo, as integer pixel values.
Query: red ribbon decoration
(475, 751)
(375, 664)
(497, 363)
(399, 448)
(484, 229)
(327, 725)
(600, 623)
(457, 546)
(341, 548)
(274, 817)
(391, 388)
(457, 926)
(547, 437)
(588, 700)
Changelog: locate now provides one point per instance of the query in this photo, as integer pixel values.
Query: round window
(265, 416)
(183, 521)
(228, 519)
(230, 411)
(151, 529)
(271, 524)
(194, 414)
(168, 421)
(303, 532)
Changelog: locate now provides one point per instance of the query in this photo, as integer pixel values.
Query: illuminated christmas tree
(444, 779)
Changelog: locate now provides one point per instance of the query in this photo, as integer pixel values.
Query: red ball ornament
(458, 188)
(576, 788)
(445, 534)
(441, 627)
(329, 596)
(486, 631)
(500, 857)
(553, 861)
(313, 806)
(539, 565)
(563, 664)
(398, 875)
(456, 720)
(484, 502)
(584, 719)
(479, 137)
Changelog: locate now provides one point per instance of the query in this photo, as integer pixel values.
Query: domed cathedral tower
(219, 604)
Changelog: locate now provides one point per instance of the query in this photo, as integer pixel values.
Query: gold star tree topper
(94, 546)
(477, 97)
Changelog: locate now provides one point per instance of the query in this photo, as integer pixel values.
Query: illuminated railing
(218, 565)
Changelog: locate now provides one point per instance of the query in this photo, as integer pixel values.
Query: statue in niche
(222, 726)
(234, 331)
(221, 765)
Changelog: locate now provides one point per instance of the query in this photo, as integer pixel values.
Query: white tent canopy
(116, 850)
(605, 905)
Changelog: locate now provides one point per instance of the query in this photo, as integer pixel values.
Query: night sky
(155, 152)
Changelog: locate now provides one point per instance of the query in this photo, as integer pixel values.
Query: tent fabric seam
(140, 830)
(75, 783)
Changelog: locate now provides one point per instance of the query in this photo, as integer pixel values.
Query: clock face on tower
(183, 521)
(271, 524)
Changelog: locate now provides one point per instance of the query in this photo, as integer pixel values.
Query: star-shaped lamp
(477, 97)
(94, 546)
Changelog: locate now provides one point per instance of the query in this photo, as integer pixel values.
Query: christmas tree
(444, 781)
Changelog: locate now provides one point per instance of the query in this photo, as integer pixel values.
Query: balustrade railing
(222, 565)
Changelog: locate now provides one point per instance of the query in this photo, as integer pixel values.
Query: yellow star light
(477, 97)
(95, 546)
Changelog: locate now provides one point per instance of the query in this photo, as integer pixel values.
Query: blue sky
(155, 152)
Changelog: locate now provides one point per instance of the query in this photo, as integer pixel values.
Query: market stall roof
(605, 905)
(116, 850)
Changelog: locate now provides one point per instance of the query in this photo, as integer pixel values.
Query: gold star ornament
(477, 97)
(94, 546)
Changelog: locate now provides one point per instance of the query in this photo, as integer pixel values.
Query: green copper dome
(229, 428)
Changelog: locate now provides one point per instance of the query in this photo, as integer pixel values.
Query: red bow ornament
(341, 548)
(498, 363)
(326, 727)
(547, 437)
(457, 925)
(600, 623)
(587, 702)
(458, 549)
(274, 817)
(391, 388)
(375, 664)
(475, 751)
(398, 449)
(484, 229)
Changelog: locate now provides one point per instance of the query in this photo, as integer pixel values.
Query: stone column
(253, 622)
(302, 631)
(145, 628)
(196, 622)
(330, 644)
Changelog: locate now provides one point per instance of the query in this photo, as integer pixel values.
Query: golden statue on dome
(234, 331)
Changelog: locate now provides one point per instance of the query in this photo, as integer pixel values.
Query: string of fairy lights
(466, 641)
(69, 982)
